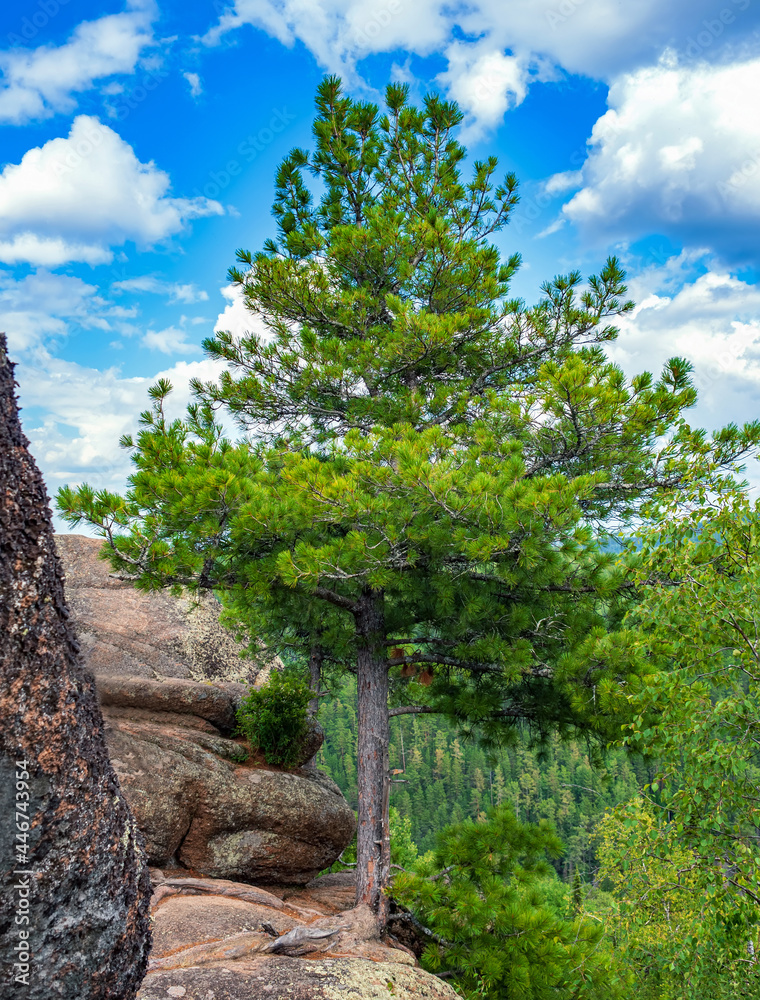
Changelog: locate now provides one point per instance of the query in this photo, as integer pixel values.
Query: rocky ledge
(231, 941)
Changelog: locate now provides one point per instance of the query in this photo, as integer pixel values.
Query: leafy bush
(274, 717)
(684, 934)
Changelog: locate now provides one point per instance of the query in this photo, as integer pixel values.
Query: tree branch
(338, 600)
(411, 710)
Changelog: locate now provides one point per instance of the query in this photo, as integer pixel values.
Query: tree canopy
(428, 464)
(685, 853)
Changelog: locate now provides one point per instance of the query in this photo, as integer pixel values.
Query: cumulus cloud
(710, 318)
(565, 181)
(41, 305)
(678, 153)
(235, 318)
(74, 198)
(491, 45)
(86, 411)
(338, 33)
(170, 340)
(172, 290)
(485, 83)
(49, 251)
(36, 83)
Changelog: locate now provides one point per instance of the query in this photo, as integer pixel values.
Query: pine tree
(484, 894)
(427, 458)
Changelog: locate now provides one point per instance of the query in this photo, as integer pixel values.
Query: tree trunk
(75, 889)
(315, 677)
(373, 841)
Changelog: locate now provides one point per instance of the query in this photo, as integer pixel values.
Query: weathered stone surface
(313, 740)
(202, 920)
(87, 897)
(329, 893)
(239, 942)
(297, 979)
(216, 703)
(199, 807)
(125, 632)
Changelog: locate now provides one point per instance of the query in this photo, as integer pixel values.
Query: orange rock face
(127, 633)
(239, 942)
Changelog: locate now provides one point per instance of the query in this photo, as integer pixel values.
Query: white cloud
(713, 320)
(491, 44)
(49, 251)
(552, 228)
(38, 82)
(678, 153)
(37, 307)
(484, 82)
(73, 198)
(196, 87)
(565, 181)
(87, 411)
(339, 32)
(170, 340)
(235, 318)
(174, 291)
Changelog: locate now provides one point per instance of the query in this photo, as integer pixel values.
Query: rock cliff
(75, 889)
(127, 633)
(168, 677)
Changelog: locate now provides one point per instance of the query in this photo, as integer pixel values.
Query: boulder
(170, 678)
(200, 805)
(312, 741)
(231, 941)
(128, 633)
(74, 890)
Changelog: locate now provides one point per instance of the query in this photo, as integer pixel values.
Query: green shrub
(274, 717)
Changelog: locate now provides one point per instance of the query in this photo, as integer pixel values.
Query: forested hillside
(443, 779)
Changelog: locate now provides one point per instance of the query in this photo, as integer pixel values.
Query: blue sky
(139, 138)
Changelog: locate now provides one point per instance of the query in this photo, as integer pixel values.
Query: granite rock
(198, 804)
(84, 904)
(125, 632)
